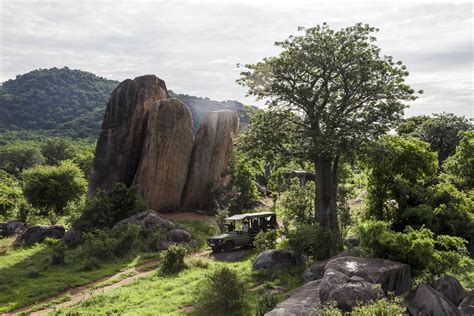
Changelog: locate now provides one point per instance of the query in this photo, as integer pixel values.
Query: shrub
(298, 202)
(425, 253)
(222, 294)
(382, 307)
(220, 219)
(173, 259)
(127, 240)
(266, 303)
(266, 240)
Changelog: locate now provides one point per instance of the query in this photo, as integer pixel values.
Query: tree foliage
(56, 149)
(16, 157)
(10, 194)
(460, 166)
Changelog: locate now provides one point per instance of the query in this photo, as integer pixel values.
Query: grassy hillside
(66, 102)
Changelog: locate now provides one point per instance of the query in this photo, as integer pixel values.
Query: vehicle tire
(228, 246)
(216, 249)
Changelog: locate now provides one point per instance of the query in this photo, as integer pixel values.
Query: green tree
(50, 188)
(333, 91)
(16, 157)
(460, 166)
(10, 194)
(57, 149)
(84, 158)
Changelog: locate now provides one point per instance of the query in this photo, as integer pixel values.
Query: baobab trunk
(326, 193)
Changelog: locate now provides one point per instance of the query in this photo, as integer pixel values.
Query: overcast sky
(195, 45)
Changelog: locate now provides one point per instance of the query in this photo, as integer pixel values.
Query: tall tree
(334, 91)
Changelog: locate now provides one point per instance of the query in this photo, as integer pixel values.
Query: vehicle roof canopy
(249, 215)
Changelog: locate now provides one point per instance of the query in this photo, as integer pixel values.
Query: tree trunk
(326, 192)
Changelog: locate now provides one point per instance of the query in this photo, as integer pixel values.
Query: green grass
(26, 275)
(160, 294)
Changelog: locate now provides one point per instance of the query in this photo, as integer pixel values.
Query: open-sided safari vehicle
(241, 230)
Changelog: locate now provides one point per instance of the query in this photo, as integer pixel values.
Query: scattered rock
(274, 260)
(120, 143)
(148, 220)
(451, 289)
(428, 301)
(302, 301)
(179, 236)
(392, 276)
(352, 241)
(163, 168)
(36, 234)
(302, 175)
(210, 158)
(73, 237)
(467, 305)
(11, 228)
(347, 292)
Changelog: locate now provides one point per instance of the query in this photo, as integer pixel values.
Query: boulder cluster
(147, 140)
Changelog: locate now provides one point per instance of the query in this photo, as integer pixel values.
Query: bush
(57, 249)
(382, 307)
(266, 240)
(298, 203)
(426, 254)
(173, 259)
(311, 240)
(222, 294)
(266, 303)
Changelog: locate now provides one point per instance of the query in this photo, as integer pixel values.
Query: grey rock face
(210, 158)
(163, 169)
(148, 220)
(179, 236)
(120, 143)
(36, 234)
(11, 228)
(451, 289)
(467, 305)
(392, 276)
(274, 260)
(302, 301)
(427, 301)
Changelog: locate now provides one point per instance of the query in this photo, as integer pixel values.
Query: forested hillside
(66, 102)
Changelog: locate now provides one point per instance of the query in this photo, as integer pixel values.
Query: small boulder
(178, 236)
(35, 234)
(148, 220)
(467, 305)
(274, 260)
(347, 292)
(73, 237)
(392, 276)
(428, 301)
(301, 301)
(451, 289)
(11, 228)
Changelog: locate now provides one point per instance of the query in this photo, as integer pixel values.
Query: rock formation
(36, 234)
(163, 169)
(210, 158)
(120, 143)
(427, 301)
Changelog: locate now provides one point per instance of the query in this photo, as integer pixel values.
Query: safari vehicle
(241, 230)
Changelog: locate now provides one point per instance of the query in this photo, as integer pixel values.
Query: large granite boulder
(11, 228)
(301, 301)
(36, 234)
(347, 292)
(179, 236)
(392, 276)
(428, 301)
(274, 260)
(163, 168)
(120, 143)
(467, 305)
(148, 220)
(451, 289)
(210, 158)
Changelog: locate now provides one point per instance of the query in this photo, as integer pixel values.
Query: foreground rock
(274, 260)
(11, 228)
(210, 158)
(392, 276)
(120, 143)
(36, 234)
(302, 301)
(347, 292)
(147, 220)
(451, 289)
(427, 301)
(467, 305)
(163, 169)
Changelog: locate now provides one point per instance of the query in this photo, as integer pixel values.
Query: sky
(195, 45)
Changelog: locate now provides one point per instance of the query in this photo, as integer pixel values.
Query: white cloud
(195, 45)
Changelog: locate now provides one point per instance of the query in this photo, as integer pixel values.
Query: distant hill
(66, 102)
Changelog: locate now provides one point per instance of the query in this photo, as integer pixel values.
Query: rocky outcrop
(163, 169)
(36, 234)
(392, 276)
(451, 289)
(347, 292)
(210, 158)
(120, 143)
(179, 236)
(302, 301)
(427, 301)
(274, 260)
(147, 220)
(11, 228)
(467, 305)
